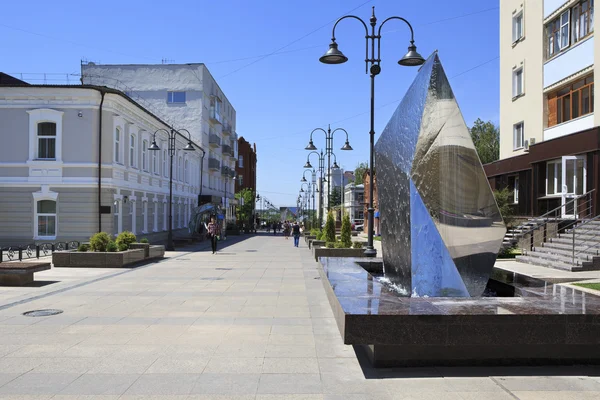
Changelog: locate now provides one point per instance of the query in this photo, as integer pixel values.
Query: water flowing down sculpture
(441, 227)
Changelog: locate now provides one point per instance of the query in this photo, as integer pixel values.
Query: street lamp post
(154, 147)
(323, 178)
(335, 56)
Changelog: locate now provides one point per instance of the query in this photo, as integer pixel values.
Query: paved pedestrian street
(252, 322)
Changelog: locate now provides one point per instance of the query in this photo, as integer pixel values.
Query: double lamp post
(335, 56)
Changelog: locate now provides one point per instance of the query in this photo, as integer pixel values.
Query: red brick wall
(248, 171)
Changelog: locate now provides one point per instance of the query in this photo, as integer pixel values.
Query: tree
(359, 171)
(504, 200)
(486, 137)
(245, 207)
(330, 228)
(336, 197)
(346, 236)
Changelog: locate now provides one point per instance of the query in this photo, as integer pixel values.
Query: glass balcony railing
(214, 164)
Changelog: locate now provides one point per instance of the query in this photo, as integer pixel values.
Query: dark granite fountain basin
(538, 323)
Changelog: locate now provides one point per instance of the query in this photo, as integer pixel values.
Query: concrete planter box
(119, 259)
(325, 252)
(309, 237)
(315, 243)
(144, 246)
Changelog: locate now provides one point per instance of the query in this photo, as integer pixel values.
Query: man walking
(296, 233)
(213, 231)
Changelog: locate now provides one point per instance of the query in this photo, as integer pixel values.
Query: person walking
(213, 232)
(286, 230)
(296, 233)
(274, 228)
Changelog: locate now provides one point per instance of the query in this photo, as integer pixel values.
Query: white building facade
(354, 202)
(185, 96)
(78, 163)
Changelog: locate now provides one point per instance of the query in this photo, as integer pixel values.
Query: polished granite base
(548, 325)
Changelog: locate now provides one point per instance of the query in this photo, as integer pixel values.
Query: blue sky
(281, 98)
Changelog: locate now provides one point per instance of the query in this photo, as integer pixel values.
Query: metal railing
(214, 164)
(577, 231)
(214, 139)
(12, 253)
(555, 215)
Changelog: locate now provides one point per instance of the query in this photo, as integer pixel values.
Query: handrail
(574, 255)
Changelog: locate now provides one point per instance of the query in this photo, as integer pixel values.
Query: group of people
(295, 229)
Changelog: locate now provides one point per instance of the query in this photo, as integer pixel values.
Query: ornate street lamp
(335, 56)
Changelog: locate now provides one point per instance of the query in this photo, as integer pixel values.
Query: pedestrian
(286, 230)
(296, 233)
(213, 232)
(274, 228)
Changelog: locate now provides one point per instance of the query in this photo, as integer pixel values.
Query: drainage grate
(223, 269)
(42, 313)
(211, 279)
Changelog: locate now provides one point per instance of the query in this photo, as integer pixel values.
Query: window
(185, 172)
(557, 33)
(582, 20)
(179, 169)
(46, 218)
(117, 145)
(155, 162)
(175, 97)
(241, 161)
(517, 27)
(554, 177)
(518, 136)
(145, 155)
(518, 82)
(516, 191)
(241, 180)
(46, 133)
(571, 101)
(164, 163)
(132, 152)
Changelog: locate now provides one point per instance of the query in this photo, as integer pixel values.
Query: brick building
(367, 184)
(245, 168)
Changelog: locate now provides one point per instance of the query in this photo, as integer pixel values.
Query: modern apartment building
(188, 97)
(549, 135)
(76, 162)
(354, 202)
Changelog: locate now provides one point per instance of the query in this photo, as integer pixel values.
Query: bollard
(37, 251)
(20, 254)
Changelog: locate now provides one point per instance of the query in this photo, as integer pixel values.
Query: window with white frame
(175, 97)
(155, 162)
(179, 169)
(517, 23)
(164, 163)
(554, 177)
(186, 171)
(46, 218)
(46, 141)
(516, 191)
(518, 82)
(118, 145)
(145, 155)
(241, 161)
(518, 135)
(132, 151)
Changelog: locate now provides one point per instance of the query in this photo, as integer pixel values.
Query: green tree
(504, 199)
(330, 228)
(336, 197)
(486, 137)
(346, 237)
(359, 171)
(244, 211)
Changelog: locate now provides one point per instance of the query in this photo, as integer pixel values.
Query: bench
(20, 273)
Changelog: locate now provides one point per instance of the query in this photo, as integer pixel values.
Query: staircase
(576, 249)
(512, 236)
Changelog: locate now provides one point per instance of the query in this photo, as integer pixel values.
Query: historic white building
(75, 161)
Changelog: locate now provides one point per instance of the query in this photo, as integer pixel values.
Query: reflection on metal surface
(441, 227)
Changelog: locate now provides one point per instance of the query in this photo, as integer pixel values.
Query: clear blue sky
(279, 99)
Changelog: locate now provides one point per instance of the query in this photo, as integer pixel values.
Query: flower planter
(315, 243)
(119, 259)
(325, 252)
(309, 237)
(144, 246)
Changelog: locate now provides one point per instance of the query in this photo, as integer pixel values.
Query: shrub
(330, 245)
(111, 247)
(357, 245)
(99, 241)
(346, 238)
(83, 247)
(504, 200)
(144, 240)
(320, 235)
(340, 245)
(314, 232)
(330, 228)
(124, 239)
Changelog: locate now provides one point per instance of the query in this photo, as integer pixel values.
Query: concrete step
(562, 254)
(569, 248)
(587, 236)
(578, 242)
(562, 258)
(542, 262)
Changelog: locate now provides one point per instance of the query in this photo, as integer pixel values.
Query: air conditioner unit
(526, 145)
(532, 141)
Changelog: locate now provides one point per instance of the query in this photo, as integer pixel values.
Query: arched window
(179, 169)
(164, 162)
(185, 172)
(154, 163)
(46, 140)
(132, 152)
(46, 218)
(118, 145)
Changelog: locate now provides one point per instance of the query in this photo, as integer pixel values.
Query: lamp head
(333, 55)
(311, 146)
(412, 58)
(307, 165)
(153, 146)
(335, 165)
(189, 147)
(303, 179)
(301, 190)
(347, 146)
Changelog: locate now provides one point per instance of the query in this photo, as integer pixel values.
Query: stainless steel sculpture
(440, 224)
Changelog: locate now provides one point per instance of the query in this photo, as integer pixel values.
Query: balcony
(227, 151)
(214, 164)
(568, 62)
(226, 128)
(215, 116)
(226, 171)
(214, 140)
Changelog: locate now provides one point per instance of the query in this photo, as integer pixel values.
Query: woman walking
(296, 233)
(213, 231)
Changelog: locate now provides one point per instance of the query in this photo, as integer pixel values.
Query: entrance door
(573, 184)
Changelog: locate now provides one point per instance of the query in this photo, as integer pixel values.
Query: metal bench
(20, 273)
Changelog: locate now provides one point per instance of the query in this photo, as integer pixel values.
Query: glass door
(573, 184)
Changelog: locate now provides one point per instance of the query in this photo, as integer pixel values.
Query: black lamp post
(314, 189)
(323, 177)
(328, 152)
(154, 147)
(334, 56)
